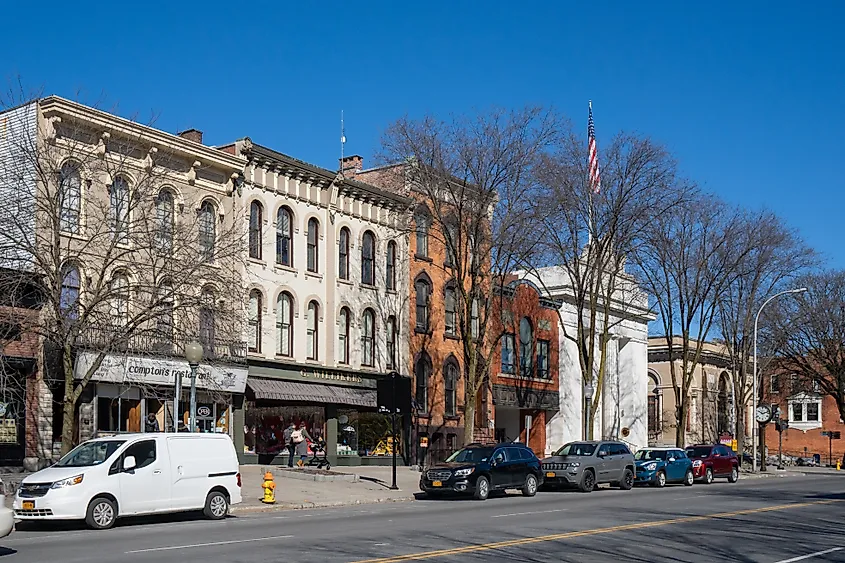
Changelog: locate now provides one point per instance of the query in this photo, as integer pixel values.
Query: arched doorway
(654, 422)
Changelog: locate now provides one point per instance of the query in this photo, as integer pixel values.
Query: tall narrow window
(368, 253)
(119, 202)
(312, 336)
(391, 342)
(343, 336)
(368, 338)
(164, 321)
(474, 320)
(451, 324)
(120, 299)
(451, 384)
(70, 197)
(343, 254)
(256, 213)
(313, 238)
(69, 299)
(254, 321)
(451, 242)
(508, 347)
(164, 221)
(422, 289)
(284, 236)
(422, 224)
(208, 323)
(390, 266)
(284, 324)
(526, 346)
(543, 347)
(422, 370)
(208, 231)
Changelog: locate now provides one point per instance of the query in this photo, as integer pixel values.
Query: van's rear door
(195, 464)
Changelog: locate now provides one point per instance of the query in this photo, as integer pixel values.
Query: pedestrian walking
(151, 424)
(301, 438)
(290, 446)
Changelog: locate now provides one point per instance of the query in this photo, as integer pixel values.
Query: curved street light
(754, 427)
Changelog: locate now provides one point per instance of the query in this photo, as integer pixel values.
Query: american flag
(595, 175)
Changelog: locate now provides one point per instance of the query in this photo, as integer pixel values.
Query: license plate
(29, 505)
(437, 483)
(550, 474)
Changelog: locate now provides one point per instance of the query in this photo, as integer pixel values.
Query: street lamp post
(754, 427)
(588, 398)
(193, 353)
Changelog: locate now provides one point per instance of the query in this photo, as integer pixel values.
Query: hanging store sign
(135, 370)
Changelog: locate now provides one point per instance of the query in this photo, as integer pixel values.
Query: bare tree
(587, 237)
(776, 256)
(687, 262)
(476, 176)
(127, 248)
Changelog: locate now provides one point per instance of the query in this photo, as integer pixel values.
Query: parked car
(7, 517)
(106, 478)
(659, 466)
(480, 469)
(711, 461)
(587, 464)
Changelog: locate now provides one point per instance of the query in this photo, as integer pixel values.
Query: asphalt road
(776, 520)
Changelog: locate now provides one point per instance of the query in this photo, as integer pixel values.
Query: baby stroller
(319, 456)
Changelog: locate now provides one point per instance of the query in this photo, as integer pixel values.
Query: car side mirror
(129, 463)
(671, 460)
(602, 454)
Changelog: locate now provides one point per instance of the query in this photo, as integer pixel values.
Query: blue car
(658, 466)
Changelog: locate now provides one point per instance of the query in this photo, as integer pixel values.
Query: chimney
(194, 135)
(351, 164)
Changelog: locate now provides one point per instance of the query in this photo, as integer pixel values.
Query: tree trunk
(469, 419)
(681, 426)
(739, 429)
(68, 421)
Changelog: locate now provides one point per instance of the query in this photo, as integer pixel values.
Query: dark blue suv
(480, 469)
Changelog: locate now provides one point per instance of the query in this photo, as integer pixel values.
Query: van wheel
(482, 488)
(627, 482)
(216, 506)
(530, 487)
(102, 514)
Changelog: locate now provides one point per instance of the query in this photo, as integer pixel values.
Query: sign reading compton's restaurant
(134, 370)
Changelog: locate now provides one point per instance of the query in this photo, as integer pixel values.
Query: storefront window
(265, 425)
(118, 415)
(363, 433)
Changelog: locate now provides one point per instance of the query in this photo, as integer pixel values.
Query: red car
(711, 461)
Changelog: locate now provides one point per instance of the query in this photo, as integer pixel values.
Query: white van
(131, 474)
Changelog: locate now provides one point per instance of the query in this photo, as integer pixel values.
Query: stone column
(331, 434)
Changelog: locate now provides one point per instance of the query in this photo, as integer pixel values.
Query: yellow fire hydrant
(838, 464)
(269, 487)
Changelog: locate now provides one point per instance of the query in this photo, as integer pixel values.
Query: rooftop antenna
(342, 141)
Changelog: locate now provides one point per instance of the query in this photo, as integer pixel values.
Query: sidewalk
(372, 485)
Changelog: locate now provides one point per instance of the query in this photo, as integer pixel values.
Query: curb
(305, 505)
(315, 477)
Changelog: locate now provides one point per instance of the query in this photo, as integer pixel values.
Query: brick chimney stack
(194, 135)
(351, 165)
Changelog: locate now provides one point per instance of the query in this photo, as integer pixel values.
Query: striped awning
(281, 390)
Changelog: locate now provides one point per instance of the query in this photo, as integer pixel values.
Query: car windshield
(698, 451)
(650, 455)
(577, 448)
(90, 453)
(470, 455)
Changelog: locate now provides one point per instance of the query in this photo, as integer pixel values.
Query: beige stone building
(711, 413)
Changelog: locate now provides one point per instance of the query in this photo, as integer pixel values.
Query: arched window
(422, 371)
(119, 203)
(343, 254)
(526, 348)
(391, 342)
(208, 322)
(390, 266)
(164, 321)
(475, 320)
(208, 230)
(69, 298)
(450, 375)
(70, 197)
(451, 242)
(422, 223)
(120, 299)
(284, 236)
(451, 302)
(313, 238)
(256, 215)
(368, 253)
(343, 336)
(653, 407)
(423, 290)
(254, 319)
(368, 339)
(284, 324)
(164, 221)
(312, 335)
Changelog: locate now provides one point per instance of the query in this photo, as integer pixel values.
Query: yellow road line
(571, 535)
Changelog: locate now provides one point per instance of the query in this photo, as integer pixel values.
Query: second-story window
(284, 237)
(69, 298)
(475, 320)
(343, 336)
(526, 346)
(120, 299)
(208, 231)
(450, 384)
(508, 353)
(391, 343)
(422, 290)
(256, 213)
(451, 321)
(208, 322)
(390, 266)
(368, 255)
(343, 254)
(543, 347)
(284, 324)
(313, 240)
(312, 336)
(70, 197)
(254, 319)
(422, 223)
(368, 339)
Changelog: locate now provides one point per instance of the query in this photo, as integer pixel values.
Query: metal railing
(154, 343)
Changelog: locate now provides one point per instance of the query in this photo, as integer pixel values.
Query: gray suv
(587, 464)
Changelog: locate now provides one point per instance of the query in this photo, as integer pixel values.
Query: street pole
(588, 408)
(393, 375)
(193, 413)
(755, 427)
(830, 449)
(780, 445)
(176, 398)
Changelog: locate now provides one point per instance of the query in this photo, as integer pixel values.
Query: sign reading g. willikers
(134, 370)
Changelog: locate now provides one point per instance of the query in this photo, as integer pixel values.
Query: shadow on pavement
(74, 525)
(6, 551)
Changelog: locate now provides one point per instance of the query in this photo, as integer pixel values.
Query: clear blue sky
(751, 98)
